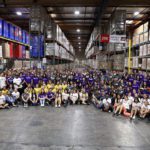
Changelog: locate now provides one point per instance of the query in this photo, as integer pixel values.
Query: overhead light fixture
(79, 43)
(136, 13)
(129, 21)
(79, 37)
(77, 12)
(19, 13)
(78, 30)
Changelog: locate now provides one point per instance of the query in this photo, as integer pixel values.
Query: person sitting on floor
(16, 96)
(42, 97)
(65, 98)
(136, 105)
(34, 98)
(74, 96)
(83, 95)
(25, 98)
(3, 103)
(58, 99)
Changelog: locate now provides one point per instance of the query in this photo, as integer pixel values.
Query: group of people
(117, 92)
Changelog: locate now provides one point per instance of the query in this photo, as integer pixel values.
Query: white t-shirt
(126, 103)
(16, 94)
(2, 82)
(65, 96)
(130, 99)
(2, 99)
(17, 82)
(144, 107)
(136, 105)
(74, 96)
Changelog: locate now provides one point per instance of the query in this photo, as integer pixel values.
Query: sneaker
(134, 117)
(56, 106)
(59, 106)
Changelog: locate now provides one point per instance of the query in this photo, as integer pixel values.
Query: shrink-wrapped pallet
(141, 38)
(148, 63)
(144, 63)
(145, 36)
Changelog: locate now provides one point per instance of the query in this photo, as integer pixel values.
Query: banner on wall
(105, 38)
(117, 39)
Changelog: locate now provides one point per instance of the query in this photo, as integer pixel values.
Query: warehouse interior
(95, 38)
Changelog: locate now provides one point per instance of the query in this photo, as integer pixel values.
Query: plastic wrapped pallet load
(145, 27)
(144, 50)
(135, 62)
(126, 62)
(5, 29)
(141, 38)
(148, 49)
(1, 52)
(148, 63)
(27, 54)
(20, 34)
(11, 32)
(141, 51)
(1, 27)
(11, 46)
(16, 33)
(145, 36)
(144, 63)
(6, 50)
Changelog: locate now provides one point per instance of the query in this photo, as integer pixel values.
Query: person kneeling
(74, 96)
(25, 98)
(34, 98)
(10, 100)
(83, 97)
(65, 98)
(3, 103)
(42, 98)
(58, 99)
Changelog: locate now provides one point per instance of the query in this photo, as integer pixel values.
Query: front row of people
(127, 105)
(30, 97)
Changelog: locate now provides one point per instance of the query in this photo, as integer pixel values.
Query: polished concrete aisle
(74, 128)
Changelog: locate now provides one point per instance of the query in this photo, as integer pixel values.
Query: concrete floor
(74, 128)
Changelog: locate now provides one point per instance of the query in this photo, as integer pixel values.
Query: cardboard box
(144, 63)
(148, 63)
(145, 36)
(141, 38)
(146, 27)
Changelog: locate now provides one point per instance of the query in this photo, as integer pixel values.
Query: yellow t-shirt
(46, 89)
(37, 90)
(4, 92)
(64, 86)
(49, 86)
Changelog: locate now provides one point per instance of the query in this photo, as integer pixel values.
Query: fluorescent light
(136, 13)
(78, 30)
(77, 12)
(129, 21)
(19, 13)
